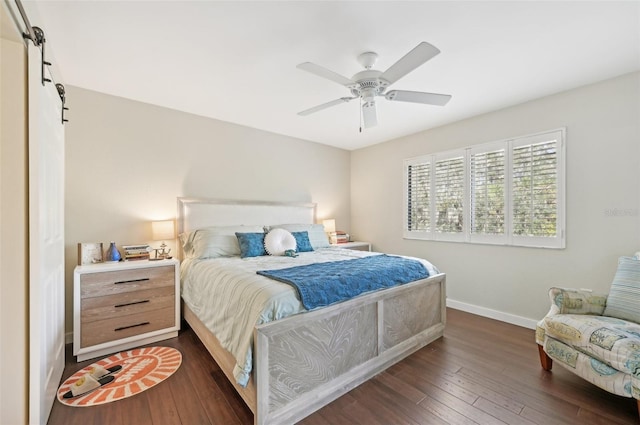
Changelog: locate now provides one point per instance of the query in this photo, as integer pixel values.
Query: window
(537, 201)
(449, 194)
(487, 186)
(418, 189)
(509, 192)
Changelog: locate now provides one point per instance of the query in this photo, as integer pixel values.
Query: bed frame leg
(547, 363)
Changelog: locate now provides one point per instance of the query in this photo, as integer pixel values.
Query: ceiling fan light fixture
(368, 96)
(369, 114)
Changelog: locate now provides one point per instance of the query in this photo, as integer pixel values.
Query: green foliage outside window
(450, 195)
(535, 190)
(487, 192)
(511, 192)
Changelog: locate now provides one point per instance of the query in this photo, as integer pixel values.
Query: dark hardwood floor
(481, 372)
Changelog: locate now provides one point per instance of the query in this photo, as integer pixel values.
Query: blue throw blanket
(322, 284)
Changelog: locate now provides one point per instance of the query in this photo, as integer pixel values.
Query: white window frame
(508, 238)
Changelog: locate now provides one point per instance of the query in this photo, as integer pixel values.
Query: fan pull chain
(360, 114)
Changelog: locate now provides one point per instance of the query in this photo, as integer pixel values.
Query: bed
(307, 359)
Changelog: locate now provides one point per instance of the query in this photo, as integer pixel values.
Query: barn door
(46, 241)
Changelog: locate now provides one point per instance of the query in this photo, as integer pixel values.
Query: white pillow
(277, 241)
(215, 241)
(317, 236)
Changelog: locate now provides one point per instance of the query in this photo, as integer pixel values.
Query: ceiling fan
(368, 84)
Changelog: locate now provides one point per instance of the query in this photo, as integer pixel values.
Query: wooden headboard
(196, 213)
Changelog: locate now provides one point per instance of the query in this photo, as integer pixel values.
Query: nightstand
(358, 246)
(118, 306)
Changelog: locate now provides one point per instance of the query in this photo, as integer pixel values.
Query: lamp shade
(162, 230)
(329, 225)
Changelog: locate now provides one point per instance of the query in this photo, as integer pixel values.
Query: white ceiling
(236, 61)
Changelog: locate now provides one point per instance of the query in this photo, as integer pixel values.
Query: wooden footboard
(308, 360)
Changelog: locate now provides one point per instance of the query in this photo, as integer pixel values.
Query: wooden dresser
(118, 306)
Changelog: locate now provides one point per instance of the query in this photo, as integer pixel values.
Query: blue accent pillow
(251, 244)
(302, 241)
(624, 295)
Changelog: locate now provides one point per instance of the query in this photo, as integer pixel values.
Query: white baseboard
(68, 338)
(492, 314)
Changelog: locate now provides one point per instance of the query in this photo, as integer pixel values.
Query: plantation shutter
(487, 186)
(535, 189)
(449, 193)
(507, 192)
(418, 200)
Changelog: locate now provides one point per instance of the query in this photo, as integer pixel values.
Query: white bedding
(229, 297)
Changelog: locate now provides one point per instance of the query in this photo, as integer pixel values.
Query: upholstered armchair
(597, 336)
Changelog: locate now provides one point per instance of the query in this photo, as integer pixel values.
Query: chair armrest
(576, 301)
(571, 301)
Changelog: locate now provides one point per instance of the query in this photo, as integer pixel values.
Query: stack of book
(338, 237)
(136, 252)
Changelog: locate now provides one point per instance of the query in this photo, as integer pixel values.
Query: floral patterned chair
(597, 336)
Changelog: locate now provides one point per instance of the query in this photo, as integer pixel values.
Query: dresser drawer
(111, 306)
(120, 281)
(116, 328)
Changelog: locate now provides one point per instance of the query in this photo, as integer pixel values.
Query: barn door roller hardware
(36, 35)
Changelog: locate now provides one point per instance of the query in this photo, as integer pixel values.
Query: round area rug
(142, 368)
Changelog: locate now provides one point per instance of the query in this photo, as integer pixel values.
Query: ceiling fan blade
(325, 106)
(418, 97)
(369, 115)
(326, 73)
(416, 57)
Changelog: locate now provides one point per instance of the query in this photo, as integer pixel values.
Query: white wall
(14, 354)
(603, 174)
(127, 162)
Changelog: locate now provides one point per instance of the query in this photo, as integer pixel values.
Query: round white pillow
(277, 241)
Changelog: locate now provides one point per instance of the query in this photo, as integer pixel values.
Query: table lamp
(329, 227)
(161, 231)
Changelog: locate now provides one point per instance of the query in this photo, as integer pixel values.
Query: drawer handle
(132, 303)
(131, 281)
(130, 326)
